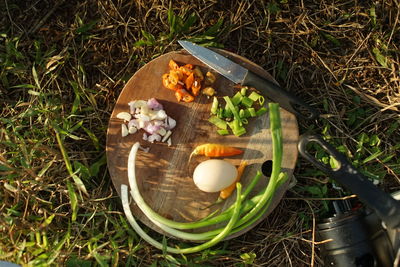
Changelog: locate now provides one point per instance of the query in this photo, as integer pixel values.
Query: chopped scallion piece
(254, 96)
(218, 122)
(223, 131)
(232, 108)
(240, 131)
(220, 113)
(214, 106)
(243, 90)
(247, 102)
(261, 111)
(252, 112)
(227, 112)
(237, 98)
(261, 100)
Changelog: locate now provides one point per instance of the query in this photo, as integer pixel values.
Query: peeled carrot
(215, 150)
(225, 193)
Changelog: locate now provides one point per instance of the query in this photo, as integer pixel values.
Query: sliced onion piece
(124, 130)
(124, 116)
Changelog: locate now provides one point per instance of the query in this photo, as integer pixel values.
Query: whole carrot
(215, 150)
(225, 193)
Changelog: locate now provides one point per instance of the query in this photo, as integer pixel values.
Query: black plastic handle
(385, 206)
(285, 99)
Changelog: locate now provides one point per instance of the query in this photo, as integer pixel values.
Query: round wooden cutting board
(164, 178)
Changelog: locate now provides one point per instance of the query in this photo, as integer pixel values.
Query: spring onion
(239, 215)
(214, 106)
(237, 98)
(231, 106)
(220, 123)
(252, 112)
(247, 102)
(224, 233)
(227, 112)
(254, 96)
(276, 175)
(243, 90)
(223, 131)
(261, 111)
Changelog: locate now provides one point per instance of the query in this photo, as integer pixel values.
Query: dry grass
(343, 58)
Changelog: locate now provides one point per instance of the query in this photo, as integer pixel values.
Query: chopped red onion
(154, 137)
(151, 128)
(154, 104)
(151, 117)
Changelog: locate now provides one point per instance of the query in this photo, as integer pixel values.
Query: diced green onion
(252, 112)
(232, 108)
(227, 111)
(214, 106)
(244, 113)
(245, 121)
(240, 131)
(237, 98)
(247, 102)
(261, 111)
(241, 113)
(254, 96)
(261, 100)
(220, 113)
(237, 128)
(243, 90)
(218, 122)
(223, 131)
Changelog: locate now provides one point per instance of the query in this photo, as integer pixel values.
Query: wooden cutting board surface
(163, 176)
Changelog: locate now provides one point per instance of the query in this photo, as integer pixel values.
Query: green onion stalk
(224, 233)
(252, 209)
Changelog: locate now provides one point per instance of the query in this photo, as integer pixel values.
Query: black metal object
(383, 204)
(354, 237)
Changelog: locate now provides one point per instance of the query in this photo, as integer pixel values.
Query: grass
(61, 75)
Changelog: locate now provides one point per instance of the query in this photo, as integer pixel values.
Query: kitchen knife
(240, 75)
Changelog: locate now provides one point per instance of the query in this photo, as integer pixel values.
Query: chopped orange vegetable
(173, 65)
(185, 80)
(225, 193)
(182, 94)
(173, 77)
(210, 78)
(189, 80)
(196, 86)
(198, 73)
(167, 83)
(189, 66)
(208, 91)
(187, 71)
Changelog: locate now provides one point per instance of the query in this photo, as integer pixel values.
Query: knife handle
(285, 99)
(385, 206)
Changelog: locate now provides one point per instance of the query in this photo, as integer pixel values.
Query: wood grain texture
(164, 178)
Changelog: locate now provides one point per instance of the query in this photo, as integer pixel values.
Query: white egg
(213, 175)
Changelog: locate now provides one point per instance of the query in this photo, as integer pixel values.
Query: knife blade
(240, 75)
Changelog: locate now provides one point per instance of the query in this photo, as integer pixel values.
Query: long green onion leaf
(224, 233)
